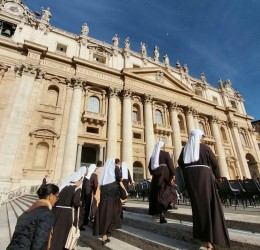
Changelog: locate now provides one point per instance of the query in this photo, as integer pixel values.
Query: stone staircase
(141, 231)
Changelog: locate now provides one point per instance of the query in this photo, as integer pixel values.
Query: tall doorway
(138, 171)
(89, 155)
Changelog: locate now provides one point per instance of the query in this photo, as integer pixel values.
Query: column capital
(233, 124)
(127, 93)
(147, 99)
(112, 92)
(188, 110)
(214, 119)
(173, 106)
(29, 69)
(75, 83)
(3, 69)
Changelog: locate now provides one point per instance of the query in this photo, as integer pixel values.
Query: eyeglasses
(57, 196)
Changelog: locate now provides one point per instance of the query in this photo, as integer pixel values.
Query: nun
(89, 187)
(201, 172)
(69, 198)
(109, 213)
(162, 194)
(126, 176)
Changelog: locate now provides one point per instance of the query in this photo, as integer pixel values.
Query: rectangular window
(198, 92)
(137, 136)
(92, 130)
(99, 58)
(7, 29)
(215, 99)
(61, 48)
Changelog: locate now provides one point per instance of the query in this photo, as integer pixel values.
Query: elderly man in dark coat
(201, 172)
(163, 196)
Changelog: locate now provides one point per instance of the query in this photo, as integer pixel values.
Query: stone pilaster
(176, 136)
(28, 74)
(70, 152)
(149, 131)
(112, 124)
(127, 131)
(239, 149)
(222, 163)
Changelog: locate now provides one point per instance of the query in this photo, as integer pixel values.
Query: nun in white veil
(69, 198)
(162, 193)
(201, 171)
(109, 213)
(89, 187)
(126, 176)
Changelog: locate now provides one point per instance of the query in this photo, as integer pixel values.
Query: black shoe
(163, 221)
(82, 228)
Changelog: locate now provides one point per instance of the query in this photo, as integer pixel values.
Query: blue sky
(220, 38)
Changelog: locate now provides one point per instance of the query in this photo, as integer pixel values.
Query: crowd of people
(98, 193)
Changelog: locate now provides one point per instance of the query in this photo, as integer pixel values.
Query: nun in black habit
(163, 196)
(201, 172)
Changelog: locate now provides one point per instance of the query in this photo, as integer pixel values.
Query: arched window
(201, 127)
(136, 113)
(41, 155)
(52, 95)
(93, 104)
(181, 123)
(233, 104)
(223, 133)
(158, 117)
(243, 139)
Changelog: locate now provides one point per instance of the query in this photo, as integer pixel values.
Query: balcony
(93, 118)
(162, 129)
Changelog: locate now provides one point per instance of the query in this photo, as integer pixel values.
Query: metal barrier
(12, 195)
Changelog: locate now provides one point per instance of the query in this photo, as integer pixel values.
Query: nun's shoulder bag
(74, 232)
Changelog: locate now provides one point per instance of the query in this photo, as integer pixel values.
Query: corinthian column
(112, 124)
(239, 149)
(149, 132)
(222, 163)
(176, 136)
(127, 131)
(70, 152)
(14, 127)
(189, 119)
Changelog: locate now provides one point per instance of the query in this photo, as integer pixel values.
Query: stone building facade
(68, 100)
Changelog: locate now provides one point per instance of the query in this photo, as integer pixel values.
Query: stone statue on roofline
(115, 40)
(166, 60)
(143, 49)
(46, 15)
(84, 29)
(156, 53)
(127, 43)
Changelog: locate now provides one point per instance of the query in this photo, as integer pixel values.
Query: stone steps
(142, 231)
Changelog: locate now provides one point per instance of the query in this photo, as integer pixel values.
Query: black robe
(162, 194)
(208, 218)
(68, 197)
(109, 215)
(89, 187)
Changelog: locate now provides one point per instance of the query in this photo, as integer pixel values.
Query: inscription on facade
(157, 90)
(32, 55)
(98, 75)
(58, 66)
